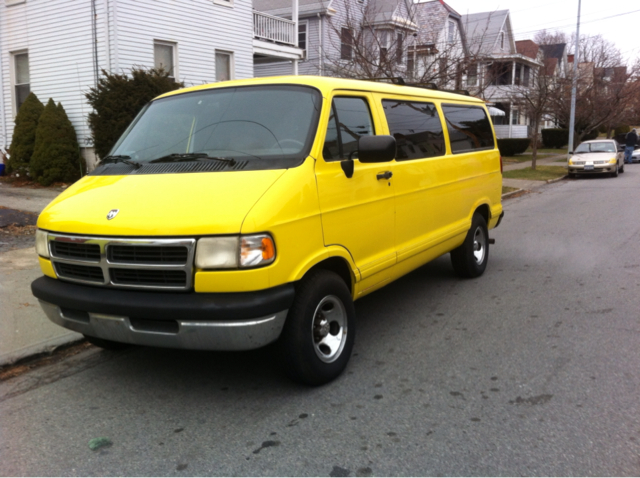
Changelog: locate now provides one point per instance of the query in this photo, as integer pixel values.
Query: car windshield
(604, 147)
(258, 122)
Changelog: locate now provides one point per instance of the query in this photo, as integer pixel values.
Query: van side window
(350, 119)
(469, 128)
(416, 127)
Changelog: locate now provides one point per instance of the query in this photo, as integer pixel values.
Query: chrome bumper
(244, 334)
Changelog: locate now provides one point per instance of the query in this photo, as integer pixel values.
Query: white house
(57, 49)
(498, 71)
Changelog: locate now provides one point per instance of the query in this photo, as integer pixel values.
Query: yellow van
(233, 215)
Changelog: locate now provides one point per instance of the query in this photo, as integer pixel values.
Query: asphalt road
(531, 369)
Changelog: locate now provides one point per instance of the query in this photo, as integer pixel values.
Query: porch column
(513, 73)
(294, 18)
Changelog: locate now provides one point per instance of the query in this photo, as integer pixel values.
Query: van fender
(322, 255)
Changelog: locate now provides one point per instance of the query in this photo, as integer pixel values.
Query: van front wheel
(318, 336)
(470, 259)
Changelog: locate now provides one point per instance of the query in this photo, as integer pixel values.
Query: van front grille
(148, 263)
(83, 273)
(148, 254)
(148, 277)
(72, 250)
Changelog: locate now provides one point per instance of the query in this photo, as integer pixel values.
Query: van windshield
(266, 123)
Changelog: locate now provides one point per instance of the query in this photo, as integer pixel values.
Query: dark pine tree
(56, 157)
(24, 135)
(118, 99)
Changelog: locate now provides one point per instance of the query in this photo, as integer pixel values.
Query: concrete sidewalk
(24, 328)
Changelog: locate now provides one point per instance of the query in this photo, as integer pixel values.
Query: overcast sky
(527, 17)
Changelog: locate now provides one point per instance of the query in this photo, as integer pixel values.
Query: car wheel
(470, 259)
(571, 175)
(615, 173)
(106, 344)
(318, 335)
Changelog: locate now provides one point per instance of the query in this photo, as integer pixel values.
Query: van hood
(185, 204)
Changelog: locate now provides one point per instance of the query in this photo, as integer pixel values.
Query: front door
(357, 212)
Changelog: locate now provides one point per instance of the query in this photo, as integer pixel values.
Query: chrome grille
(149, 264)
(148, 254)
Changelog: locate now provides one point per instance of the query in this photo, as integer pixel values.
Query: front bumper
(197, 321)
(597, 169)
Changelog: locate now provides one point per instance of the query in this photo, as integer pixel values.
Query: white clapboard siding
(517, 131)
(58, 37)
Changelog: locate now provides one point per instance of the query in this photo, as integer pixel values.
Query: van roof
(327, 84)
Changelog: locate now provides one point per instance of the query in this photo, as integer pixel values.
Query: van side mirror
(376, 149)
(371, 149)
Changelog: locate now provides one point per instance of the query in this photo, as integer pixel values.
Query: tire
(106, 344)
(318, 336)
(615, 173)
(622, 169)
(572, 175)
(470, 259)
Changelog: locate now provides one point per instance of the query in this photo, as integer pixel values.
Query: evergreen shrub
(24, 135)
(623, 129)
(513, 146)
(118, 99)
(56, 156)
(555, 138)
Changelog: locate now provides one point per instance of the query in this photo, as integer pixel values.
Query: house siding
(58, 38)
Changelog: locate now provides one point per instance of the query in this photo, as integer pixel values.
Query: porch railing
(270, 27)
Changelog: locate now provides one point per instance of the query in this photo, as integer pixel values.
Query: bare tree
(545, 37)
(365, 46)
(535, 101)
(606, 89)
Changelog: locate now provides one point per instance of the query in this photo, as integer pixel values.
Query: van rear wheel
(318, 336)
(470, 259)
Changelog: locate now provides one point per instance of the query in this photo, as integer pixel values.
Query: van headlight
(42, 243)
(233, 252)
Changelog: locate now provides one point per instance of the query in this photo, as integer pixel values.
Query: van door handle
(385, 175)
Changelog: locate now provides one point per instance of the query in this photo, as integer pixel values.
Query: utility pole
(574, 86)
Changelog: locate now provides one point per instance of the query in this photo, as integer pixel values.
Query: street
(532, 369)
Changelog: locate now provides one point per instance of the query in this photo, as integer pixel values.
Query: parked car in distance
(635, 156)
(597, 157)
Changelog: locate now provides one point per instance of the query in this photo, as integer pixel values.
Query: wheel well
(485, 212)
(337, 265)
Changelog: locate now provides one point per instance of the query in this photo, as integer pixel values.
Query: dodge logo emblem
(113, 213)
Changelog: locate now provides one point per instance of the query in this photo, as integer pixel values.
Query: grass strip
(541, 173)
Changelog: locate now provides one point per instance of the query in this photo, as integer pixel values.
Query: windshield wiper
(178, 157)
(120, 159)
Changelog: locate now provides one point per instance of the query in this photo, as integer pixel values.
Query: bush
(118, 99)
(621, 130)
(24, 135)
(555, 138)
(56, 156)
(513, 146)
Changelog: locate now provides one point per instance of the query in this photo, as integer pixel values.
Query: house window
(224, 66)
(399, 47)
(502, 40)
(346, 44)
(302, 35)
(451, 34)
(22, 86)
(472, 75)
(526, 76)
(163, 57)
(515, 116)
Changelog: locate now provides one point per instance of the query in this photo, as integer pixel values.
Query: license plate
(588, 167)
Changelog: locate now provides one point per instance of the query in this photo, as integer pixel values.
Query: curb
(512, 193)
(519, 191)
